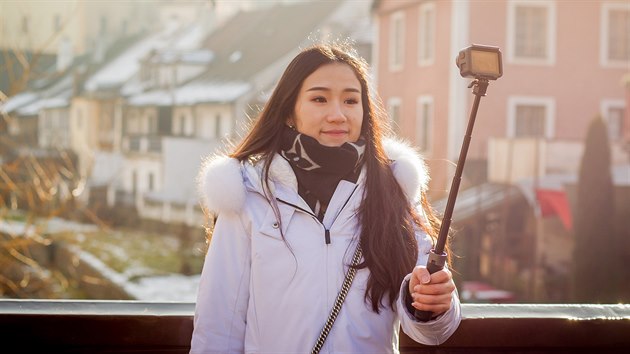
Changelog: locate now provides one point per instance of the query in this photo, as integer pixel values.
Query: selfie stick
(437, 256)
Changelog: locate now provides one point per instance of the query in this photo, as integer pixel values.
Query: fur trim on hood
(221, 186)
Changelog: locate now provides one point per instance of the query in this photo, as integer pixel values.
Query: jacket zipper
(326, 231)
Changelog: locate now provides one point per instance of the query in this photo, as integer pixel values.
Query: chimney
(65, 54)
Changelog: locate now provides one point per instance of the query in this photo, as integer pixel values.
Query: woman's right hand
(431, 292)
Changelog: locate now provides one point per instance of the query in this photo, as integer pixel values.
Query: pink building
(563, 64)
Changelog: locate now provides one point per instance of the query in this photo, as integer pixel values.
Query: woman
(311, 181)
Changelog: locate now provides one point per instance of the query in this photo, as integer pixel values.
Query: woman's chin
(329, 143)
(333, 141)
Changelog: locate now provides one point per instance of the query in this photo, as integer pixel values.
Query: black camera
(480, 62)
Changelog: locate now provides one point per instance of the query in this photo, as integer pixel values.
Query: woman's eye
(319, 99)
(352, 101)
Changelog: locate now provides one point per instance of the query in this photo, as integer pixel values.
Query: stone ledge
(132, 326)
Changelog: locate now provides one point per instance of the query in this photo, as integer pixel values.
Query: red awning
(554, 202)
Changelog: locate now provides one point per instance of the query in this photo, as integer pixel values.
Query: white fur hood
(222, 187)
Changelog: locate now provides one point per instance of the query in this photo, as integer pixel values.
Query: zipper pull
(327, 236)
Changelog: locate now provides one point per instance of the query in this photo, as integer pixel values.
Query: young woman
(313, 180)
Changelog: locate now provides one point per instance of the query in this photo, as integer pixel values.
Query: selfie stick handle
(437, 256)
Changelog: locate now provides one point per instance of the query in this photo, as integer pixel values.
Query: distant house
(562, 63)
(142, 112)
(244, 57)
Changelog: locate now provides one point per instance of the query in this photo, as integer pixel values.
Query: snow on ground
(16, 228)
(52, 225)
(171, 287)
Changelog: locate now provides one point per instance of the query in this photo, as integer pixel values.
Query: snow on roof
(134, 86)
(201, 56)
(193, 93)
(125, 66)
(197, 56)
(17, 101)
(122, 68)
(59, 100)
(192, 37)
(31, 102)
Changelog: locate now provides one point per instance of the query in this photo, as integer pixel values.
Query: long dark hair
(387, 218)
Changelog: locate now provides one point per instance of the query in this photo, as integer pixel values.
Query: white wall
(143, 167)
(54, 128)
(206, 121)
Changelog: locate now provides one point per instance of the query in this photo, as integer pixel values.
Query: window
(103, 28)
(79, 119)
(531, 32)
(615, 35)
(152, 122)
(424, 123)
(396, 41)
(25, 25)
(182, 125)
(134, 182)
(151, 181)
(64, 120)
(426, 34)
(394, 112)
(57, 23)
(217, 126)
(613, 112)
(530, 117)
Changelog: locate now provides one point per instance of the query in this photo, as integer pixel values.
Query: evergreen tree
(595, 253)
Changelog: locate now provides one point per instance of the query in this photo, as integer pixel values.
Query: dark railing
(137, 327)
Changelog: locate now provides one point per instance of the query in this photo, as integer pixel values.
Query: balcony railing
(510, 160)
(128, 326)
(142, 144)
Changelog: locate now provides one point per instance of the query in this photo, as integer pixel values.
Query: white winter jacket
(260, 294)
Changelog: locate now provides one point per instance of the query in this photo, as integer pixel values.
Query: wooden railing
(137, 327)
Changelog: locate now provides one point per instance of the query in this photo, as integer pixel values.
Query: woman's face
(329, 107)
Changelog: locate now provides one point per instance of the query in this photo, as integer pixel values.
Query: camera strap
(345, 287)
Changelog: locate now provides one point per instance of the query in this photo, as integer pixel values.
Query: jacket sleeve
(436, 331)
(221, 309)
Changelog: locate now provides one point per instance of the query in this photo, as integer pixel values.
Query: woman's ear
(290, 123)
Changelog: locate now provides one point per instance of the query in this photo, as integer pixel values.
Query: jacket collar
(223, 181)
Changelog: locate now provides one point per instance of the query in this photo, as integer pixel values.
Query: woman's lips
(335, 132)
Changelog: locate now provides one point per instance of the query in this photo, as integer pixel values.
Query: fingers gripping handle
(434, 263)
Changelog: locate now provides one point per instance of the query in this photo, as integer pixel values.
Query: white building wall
(143, 166)
(53, 128)
(83, 137)
(206, 116)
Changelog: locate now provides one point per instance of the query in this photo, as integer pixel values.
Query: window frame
(422, 121)
(550, 109)
(550, 58)
(394, 123)
(25, 25)
(606, 8)
(605, 107)
(218, 125)
(56, 22)
(425, 10)
(394, 18)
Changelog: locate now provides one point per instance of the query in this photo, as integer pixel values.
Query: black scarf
(319, 168)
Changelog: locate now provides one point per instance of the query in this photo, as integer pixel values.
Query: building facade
(563, 63)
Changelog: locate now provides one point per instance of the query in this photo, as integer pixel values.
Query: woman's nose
(336, 113)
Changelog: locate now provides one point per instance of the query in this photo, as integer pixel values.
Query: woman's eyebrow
(321, 88)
